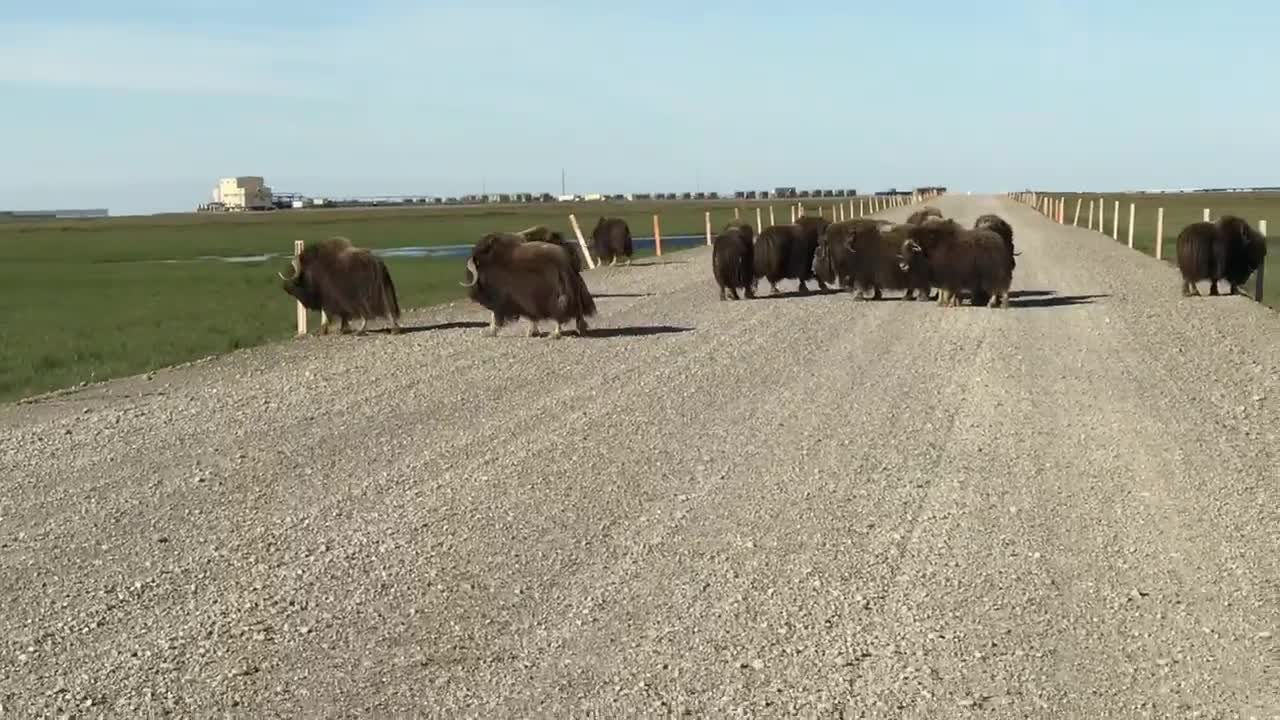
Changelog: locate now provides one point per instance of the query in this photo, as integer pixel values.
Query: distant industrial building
(64, 214)
(247, 192)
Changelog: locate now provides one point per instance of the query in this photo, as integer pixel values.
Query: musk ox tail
(389, 298)
(580, 300)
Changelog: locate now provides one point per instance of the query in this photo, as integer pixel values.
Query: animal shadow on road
(622, 295)
(656, 263)
(789, 294)
(452, 325)
(636, 331)
(1048, 299)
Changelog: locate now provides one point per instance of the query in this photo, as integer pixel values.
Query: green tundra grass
(89, 300)
(1180, 210)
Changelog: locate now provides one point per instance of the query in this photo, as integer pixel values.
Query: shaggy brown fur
(744, 227)
(732, 256)
(787, 251)
(1229, 249)
(543, 233)
(872, 260)
(959, 259)
(515, 278)
(918, 217)
(1002, 228)
(611, 239)
(345, 282)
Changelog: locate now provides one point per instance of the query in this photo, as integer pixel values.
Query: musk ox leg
(582, 326)
(722, 293)
(555, 334)
(733, 293)
(1213, 287)
(492, 330)
(533, 328)
(364, 326)
(345, 326)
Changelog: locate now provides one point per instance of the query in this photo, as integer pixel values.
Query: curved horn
(472, 273)
(1017, 253)
(282, 277)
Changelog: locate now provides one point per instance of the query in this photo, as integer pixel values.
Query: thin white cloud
(113, 56)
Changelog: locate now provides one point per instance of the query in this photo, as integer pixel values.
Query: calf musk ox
(871, 265)
(513, 277)
(1005, 231)
(732, 261)
(959, 259)
(787, 252)
(345, 282)
(611, 239)
(918, 217)
(1229, 249)
(545, 234)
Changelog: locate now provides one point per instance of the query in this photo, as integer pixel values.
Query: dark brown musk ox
(732, 260)
(1229, 249)
(513, 277)
(918, 217)
(344, 282)
(1002, 228)
(959, 259)
(787, 252)
(871, 249)
(611, 239)
(543, 233)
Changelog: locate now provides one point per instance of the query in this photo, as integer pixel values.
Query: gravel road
(791, 506)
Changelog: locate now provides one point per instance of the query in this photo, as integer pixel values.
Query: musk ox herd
(869, 256)
(536, 275)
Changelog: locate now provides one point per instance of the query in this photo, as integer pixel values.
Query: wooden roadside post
(1257, 283)
(301, 311)
(1115, 221)
(1132, 208)
(735, 214)
(591, 263)
(1090, 214)
(1206, 214)
(657, 236)
(1160, 234)
(758, 226)
(862, 207)
(1102, 216)
(1076, 221)
(707, 216)
(771, 221)
(820, 211)
(1062, 211)
(793, 214)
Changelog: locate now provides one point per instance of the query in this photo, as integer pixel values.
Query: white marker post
(1076, 221)
(1160, 234)
(591, 263)
(1132, 208)
(1115, 221)
(758, 226)
(862, 207)
(793, 214)
(301, 311)
(1206, 214)
(1257, 285)
(707, 216)
(1102, 216)
(771, 220)
(735, 214)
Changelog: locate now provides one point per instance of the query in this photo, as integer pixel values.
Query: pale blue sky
(140, 105)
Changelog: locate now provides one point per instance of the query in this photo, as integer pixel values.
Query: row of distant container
(26, 215)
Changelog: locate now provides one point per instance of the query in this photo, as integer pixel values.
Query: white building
(247, 192)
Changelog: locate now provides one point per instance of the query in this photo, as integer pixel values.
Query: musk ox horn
(471, 273)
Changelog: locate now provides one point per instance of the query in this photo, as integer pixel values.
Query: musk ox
(543, 233)
(513, 277)
(611, 239)
(872, 265)
(918, 217)
(957, 259)
(744, 226)
(787, 251)
(1005, 231)
(345, 282)
(1229, 249)
(732, 260)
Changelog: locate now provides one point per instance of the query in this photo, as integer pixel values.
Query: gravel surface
(799, 505)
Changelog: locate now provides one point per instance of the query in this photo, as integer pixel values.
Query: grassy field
(1180, 210)
(89, 300)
